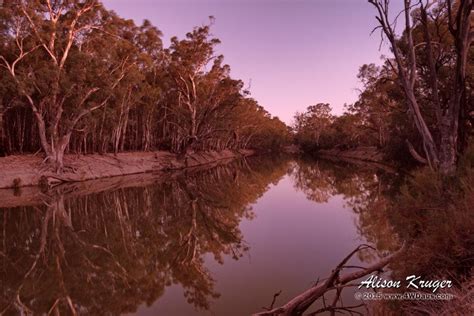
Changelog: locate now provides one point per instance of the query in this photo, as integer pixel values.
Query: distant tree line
(418, 103)
(77, 78)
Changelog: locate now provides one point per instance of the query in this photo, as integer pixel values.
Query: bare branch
(302, 302)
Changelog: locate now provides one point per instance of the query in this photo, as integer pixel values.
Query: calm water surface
(215, 241)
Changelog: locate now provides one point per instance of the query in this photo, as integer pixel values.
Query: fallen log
(298, 305)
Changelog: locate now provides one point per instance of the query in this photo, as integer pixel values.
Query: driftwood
(299, 304)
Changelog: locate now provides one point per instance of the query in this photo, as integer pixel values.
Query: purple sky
(294, 52)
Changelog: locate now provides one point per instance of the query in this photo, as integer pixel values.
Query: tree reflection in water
(110, 251)
(393, 210)
(109, 246)
(364, 187)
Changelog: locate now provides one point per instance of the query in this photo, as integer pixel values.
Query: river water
(220, 240)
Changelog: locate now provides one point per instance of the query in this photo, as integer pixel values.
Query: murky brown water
(219, 241)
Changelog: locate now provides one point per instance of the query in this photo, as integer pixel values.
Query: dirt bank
(361, 153)
(29, 170)
(361, 156)
(34, 195)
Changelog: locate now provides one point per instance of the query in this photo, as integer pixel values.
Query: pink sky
(293, 52)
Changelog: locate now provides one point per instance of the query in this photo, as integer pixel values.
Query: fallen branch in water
(299, 304)
(273, 301)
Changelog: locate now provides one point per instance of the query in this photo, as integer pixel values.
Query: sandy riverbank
(29, 170)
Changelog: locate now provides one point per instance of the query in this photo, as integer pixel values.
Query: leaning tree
(448, 101)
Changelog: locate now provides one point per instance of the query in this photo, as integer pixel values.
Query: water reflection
(108, 252)
(365, 188)
(117, 245)
(394, 210)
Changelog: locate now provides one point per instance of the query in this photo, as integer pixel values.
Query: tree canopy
(418, 103)
(77, 78)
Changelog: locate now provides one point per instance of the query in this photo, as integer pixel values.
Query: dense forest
(417, 105)
(77, 78)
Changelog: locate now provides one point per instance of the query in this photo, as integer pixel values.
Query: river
(219, 240)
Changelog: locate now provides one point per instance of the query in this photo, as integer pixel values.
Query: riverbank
(370, 154)
(361, 157)
(29, 170)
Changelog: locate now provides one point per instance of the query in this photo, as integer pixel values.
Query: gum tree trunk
(441, 152)
(447, 148)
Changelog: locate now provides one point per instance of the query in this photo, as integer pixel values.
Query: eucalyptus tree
(310, 125)
(446, 71)
(152, 66)
(254, 127)
(222, 95)
(3, 107)
(77, 78)
(378, 102)
(188, 59)
(258, 129)
(60, 56)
